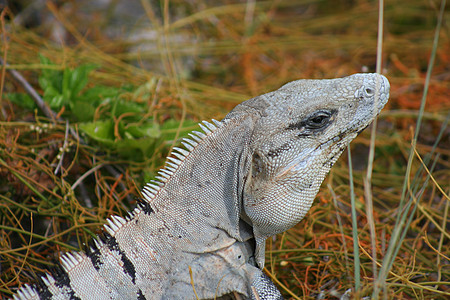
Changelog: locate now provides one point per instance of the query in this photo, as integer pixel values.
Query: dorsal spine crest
(151, 190)
(177, 156)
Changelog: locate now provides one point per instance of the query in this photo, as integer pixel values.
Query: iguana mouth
(362, 129)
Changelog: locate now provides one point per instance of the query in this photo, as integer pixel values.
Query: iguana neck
(204, 184)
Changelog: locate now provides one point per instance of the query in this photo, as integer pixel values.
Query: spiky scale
(217, 123)
(199, 134)
(161, 178)
(111, 228)
(67, 261)
(209, 125)
(204, 128)
(46, 279)
(98, 243)
(182, 151)
(150, 189)
(166, 171)
(153, 186)
(195, 136)
(174, 160)
(172, 165)
(189, 147)
(179, 156)
(119, 219)
(149, 196)
(26, 293)
(189, 141)
(171, 169)
(156, 182)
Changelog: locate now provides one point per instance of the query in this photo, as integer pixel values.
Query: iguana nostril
(369, 91)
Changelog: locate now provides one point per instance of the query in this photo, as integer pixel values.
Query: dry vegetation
(145, 78)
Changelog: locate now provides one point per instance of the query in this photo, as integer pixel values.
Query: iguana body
(248, 177)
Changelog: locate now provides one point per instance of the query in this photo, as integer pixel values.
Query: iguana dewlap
(240, 181)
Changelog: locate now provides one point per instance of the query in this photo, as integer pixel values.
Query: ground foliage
(124, 84)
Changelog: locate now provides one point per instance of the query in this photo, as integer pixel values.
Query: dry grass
(202, 60)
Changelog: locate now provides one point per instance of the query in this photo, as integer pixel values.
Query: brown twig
(32, 92)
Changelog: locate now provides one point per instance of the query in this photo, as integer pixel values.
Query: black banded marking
(42, 289)
(128, 266)
(94, 254)
(62, 281)
(140, 296)
(144, 206)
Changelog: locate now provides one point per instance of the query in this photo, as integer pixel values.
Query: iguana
(199, 232)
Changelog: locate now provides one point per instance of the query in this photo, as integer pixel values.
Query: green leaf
(78, 78)
(49, 77)
(143, 130)
(65, 89)
(99, 94)
(83, 111)
(55, 102)
(136, 149)
(22, 100)
(101, 131)
(121, 107)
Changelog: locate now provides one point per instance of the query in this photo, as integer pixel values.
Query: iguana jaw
(291, 161)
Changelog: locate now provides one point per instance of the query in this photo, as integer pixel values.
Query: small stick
(32, 92)
(63, 149)
(38, 99)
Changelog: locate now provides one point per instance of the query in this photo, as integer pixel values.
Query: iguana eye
(318, 120)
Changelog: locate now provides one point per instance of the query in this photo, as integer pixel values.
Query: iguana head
(301, 130)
